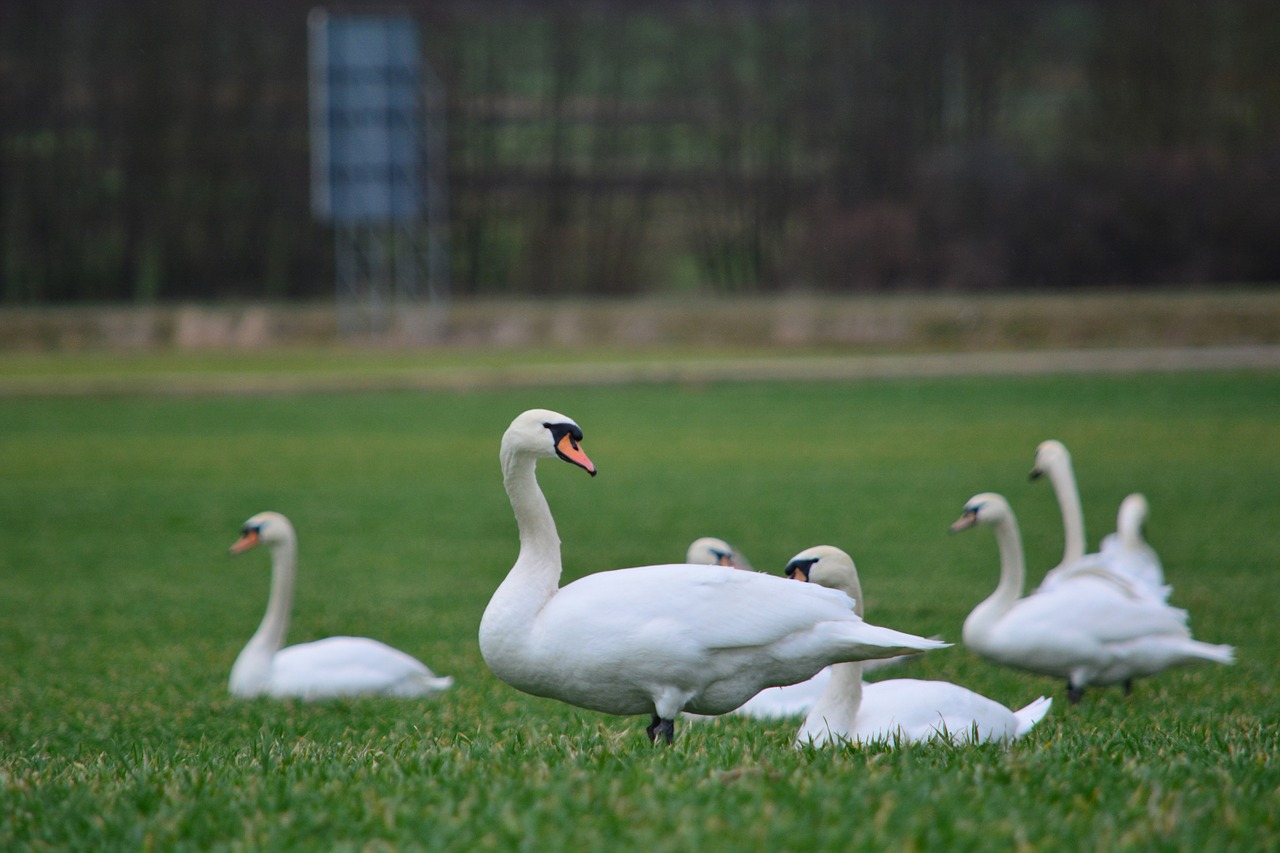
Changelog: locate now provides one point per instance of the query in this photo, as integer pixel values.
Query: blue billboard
(366, 118)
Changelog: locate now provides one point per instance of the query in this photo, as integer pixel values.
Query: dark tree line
(159, 150)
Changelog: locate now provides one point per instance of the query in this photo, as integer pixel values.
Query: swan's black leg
(1074, 694)
(667, 728)
(652, 729)
(659, 726)
(1128, 687)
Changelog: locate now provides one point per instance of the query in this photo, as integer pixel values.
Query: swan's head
(542, 432)
(1050, 455)
(827, 566)
(265, 528)
(986, 508)
(710, 551)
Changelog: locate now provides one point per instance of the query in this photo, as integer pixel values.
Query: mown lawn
(121, 612)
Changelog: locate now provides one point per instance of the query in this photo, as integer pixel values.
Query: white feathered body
(1091, 630)
(907, 710)
(676, 637)
(336, 667)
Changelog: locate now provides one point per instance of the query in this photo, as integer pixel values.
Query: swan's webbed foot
(1074, 694)
(1128, 687)
(659, 726)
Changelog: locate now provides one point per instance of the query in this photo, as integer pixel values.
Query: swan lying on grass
(654, 640)
(710, 551)
(324, 669)
(1089, 628)
(899, 710)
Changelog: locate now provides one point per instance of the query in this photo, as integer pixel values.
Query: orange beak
(570, 451)
(246, 541)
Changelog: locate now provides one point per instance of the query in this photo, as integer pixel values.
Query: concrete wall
(867, 323)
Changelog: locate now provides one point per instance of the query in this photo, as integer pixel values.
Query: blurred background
(158, 151)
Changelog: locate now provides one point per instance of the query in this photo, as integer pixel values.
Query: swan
(1128, 549)
(711, 551)
(1089, 629)
(1123, 554)
(324, 669)
(899, 710)
(653, 640)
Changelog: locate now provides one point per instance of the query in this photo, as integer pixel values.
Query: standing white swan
(1089, 629)
(324, 669)
(900, 710)
(653, 640)
(1134, 563)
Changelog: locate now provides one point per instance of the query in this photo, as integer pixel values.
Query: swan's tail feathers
(871, 642)
(426, 684)
(1210, 652)
(1028, 717)
(889, 663)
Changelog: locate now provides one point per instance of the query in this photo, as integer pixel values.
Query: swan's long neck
(535, 577)
(252, 668)
(539, 540)
(837, 708)
(1063, 479)
(1013, 572)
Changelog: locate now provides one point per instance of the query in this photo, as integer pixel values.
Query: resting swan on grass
(899, 710)
(324, 669)
(1087, 629)
(1134, 563)
(710, 551)
(654, 640)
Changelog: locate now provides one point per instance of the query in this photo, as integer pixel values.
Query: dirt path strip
(658, 370)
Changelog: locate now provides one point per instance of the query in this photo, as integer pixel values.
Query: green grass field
(121, 612)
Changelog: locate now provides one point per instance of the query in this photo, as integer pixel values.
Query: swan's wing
(349, 666)
(1140, 564)
(714, 608)
(1097, 609)
(1130, 573)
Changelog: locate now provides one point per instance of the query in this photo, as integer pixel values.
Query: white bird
(653, 640)
(1128, 550)
(1089, 630)
(324, 669)
(1134, 564)
(710, 551)
(899, 710)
